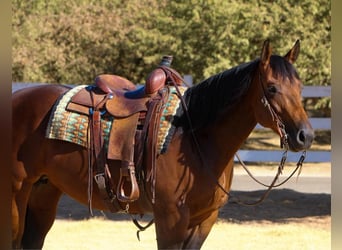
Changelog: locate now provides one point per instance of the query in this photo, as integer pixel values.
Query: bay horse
(223, 110)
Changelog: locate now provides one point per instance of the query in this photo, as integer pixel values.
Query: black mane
(219, 92)
(282, 68)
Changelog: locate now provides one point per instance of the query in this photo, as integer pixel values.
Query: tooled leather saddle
(137, 113)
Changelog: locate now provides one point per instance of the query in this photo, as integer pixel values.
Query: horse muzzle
(301, 139)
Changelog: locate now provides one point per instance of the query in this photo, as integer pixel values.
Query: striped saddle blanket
(74, 127)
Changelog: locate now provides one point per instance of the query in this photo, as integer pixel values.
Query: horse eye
(272, 89)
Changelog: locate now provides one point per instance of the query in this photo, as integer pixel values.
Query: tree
(73, 41)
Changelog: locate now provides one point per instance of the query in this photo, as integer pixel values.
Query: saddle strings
(90, 167)
(90, 161)
(92, 154)
(185, 107)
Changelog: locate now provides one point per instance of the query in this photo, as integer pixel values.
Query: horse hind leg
(21, 190)
(41, 213)
(16, 241)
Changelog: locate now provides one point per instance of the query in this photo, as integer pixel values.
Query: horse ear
(292, 55)
(266, 54)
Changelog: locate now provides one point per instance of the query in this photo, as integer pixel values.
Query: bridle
(275, 117)
(283, 143)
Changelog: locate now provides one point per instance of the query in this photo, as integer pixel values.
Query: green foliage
(73, 41)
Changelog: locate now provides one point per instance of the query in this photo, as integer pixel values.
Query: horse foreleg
(174, 231)
(171, 226)
(200, 232)
(41, 213)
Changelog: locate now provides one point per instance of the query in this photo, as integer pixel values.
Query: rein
(272, 185)
(283, 144)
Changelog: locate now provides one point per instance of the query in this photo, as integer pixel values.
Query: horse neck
(232, 130)
(227, 134)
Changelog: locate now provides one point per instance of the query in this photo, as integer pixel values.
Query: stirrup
(127, 174)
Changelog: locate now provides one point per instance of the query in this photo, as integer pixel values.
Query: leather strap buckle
(100, 180)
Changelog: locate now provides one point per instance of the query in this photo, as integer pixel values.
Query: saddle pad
(73, 127)
(70, 126)
(166, 129)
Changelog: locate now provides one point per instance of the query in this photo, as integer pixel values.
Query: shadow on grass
(281, 205)
(69, 209)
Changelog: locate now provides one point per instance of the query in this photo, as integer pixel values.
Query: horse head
(279, 103)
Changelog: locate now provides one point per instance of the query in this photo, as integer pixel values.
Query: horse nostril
(301, 136)
(305, 137)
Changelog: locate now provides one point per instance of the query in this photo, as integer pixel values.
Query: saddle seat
(113, 83)
(113, 94)
(155, 81)
(119, 96)
(108, 83)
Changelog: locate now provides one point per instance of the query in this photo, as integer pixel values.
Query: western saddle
(137, 113)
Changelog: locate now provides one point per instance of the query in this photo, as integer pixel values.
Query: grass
(98, 233)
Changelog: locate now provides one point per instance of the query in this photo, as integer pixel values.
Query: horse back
(31, 106)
